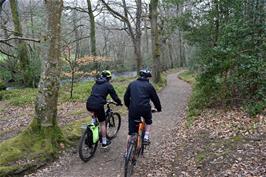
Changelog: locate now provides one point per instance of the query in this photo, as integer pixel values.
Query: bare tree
(155, 40)
(92, 34)
(23, 55)
(92, 29)
(46, 102)
(133, 31)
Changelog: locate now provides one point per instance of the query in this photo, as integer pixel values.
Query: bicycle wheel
(129, 160)
(113, 125)
(86, 146)
(140, 148)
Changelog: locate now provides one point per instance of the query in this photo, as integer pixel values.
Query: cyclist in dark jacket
(97, 100)
(137, 99)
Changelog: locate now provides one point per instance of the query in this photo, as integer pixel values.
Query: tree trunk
(146, 34)
(137, 52)
(170, 54)
(72, 62)
(32, 24)
(155, 40)
(23, 55)
(46, 102)
(92, 34)
(181, 53)
(135, 37)
(216, 23)
(1, 5)
(92, 30)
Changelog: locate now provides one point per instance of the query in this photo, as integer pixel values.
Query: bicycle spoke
(113, 125)
(86, 147)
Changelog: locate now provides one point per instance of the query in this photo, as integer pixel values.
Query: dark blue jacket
(138, 96)
(99, 92)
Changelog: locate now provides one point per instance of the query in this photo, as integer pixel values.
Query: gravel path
(110, 164)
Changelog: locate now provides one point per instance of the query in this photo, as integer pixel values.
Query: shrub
(2, 85)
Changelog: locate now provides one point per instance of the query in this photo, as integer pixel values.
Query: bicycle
(135, 147)
(89, 140)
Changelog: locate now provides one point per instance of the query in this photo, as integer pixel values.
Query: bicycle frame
(137, 139)
(141, 130)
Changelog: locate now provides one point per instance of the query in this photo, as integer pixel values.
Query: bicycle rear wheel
(129, 160)
(86, 146)
(113, 125)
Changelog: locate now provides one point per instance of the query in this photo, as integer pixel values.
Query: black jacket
(99, 92)
(138, 96)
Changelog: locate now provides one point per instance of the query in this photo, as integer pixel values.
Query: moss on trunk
(30, 149)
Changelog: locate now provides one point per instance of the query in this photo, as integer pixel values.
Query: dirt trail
(173, 97)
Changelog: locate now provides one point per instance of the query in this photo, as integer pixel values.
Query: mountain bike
(89, 140)
(135, 147)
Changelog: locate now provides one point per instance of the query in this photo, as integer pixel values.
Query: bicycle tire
(86, 144)
(113, 124)
(129, 166)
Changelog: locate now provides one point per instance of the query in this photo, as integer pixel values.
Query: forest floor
(174, 99)
(14, 119)
(219, 143)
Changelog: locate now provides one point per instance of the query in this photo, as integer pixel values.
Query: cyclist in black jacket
(137, 99)
(97, 100)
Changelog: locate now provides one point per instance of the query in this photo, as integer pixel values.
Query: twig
(20, 38)
(7, 54)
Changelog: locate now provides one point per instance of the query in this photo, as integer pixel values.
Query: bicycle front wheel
(130, 161)
(113, 125)
(86, 146)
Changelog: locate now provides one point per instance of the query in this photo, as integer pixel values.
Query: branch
(6, 43)
(100, 11)
(96, 7)
(74, 29)
(70, 42)
(7, 54)
(114, 13)
(1, 4)
(111, 28)
(85, 37)
(76, 8)
(20, 38)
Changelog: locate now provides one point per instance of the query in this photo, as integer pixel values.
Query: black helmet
(145, 73)
(107, 74)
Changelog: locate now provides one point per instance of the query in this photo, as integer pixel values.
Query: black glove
(159, 110)
(153, 110)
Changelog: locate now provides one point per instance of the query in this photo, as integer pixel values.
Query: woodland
(52, 50)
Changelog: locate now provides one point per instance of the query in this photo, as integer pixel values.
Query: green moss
(33, 147)
(77, 112)
(200, 157)
(2, 85)
(12, 149)
(73, 130)
(162, 83)
(6, 170)
(187, 76)
(19, 97)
